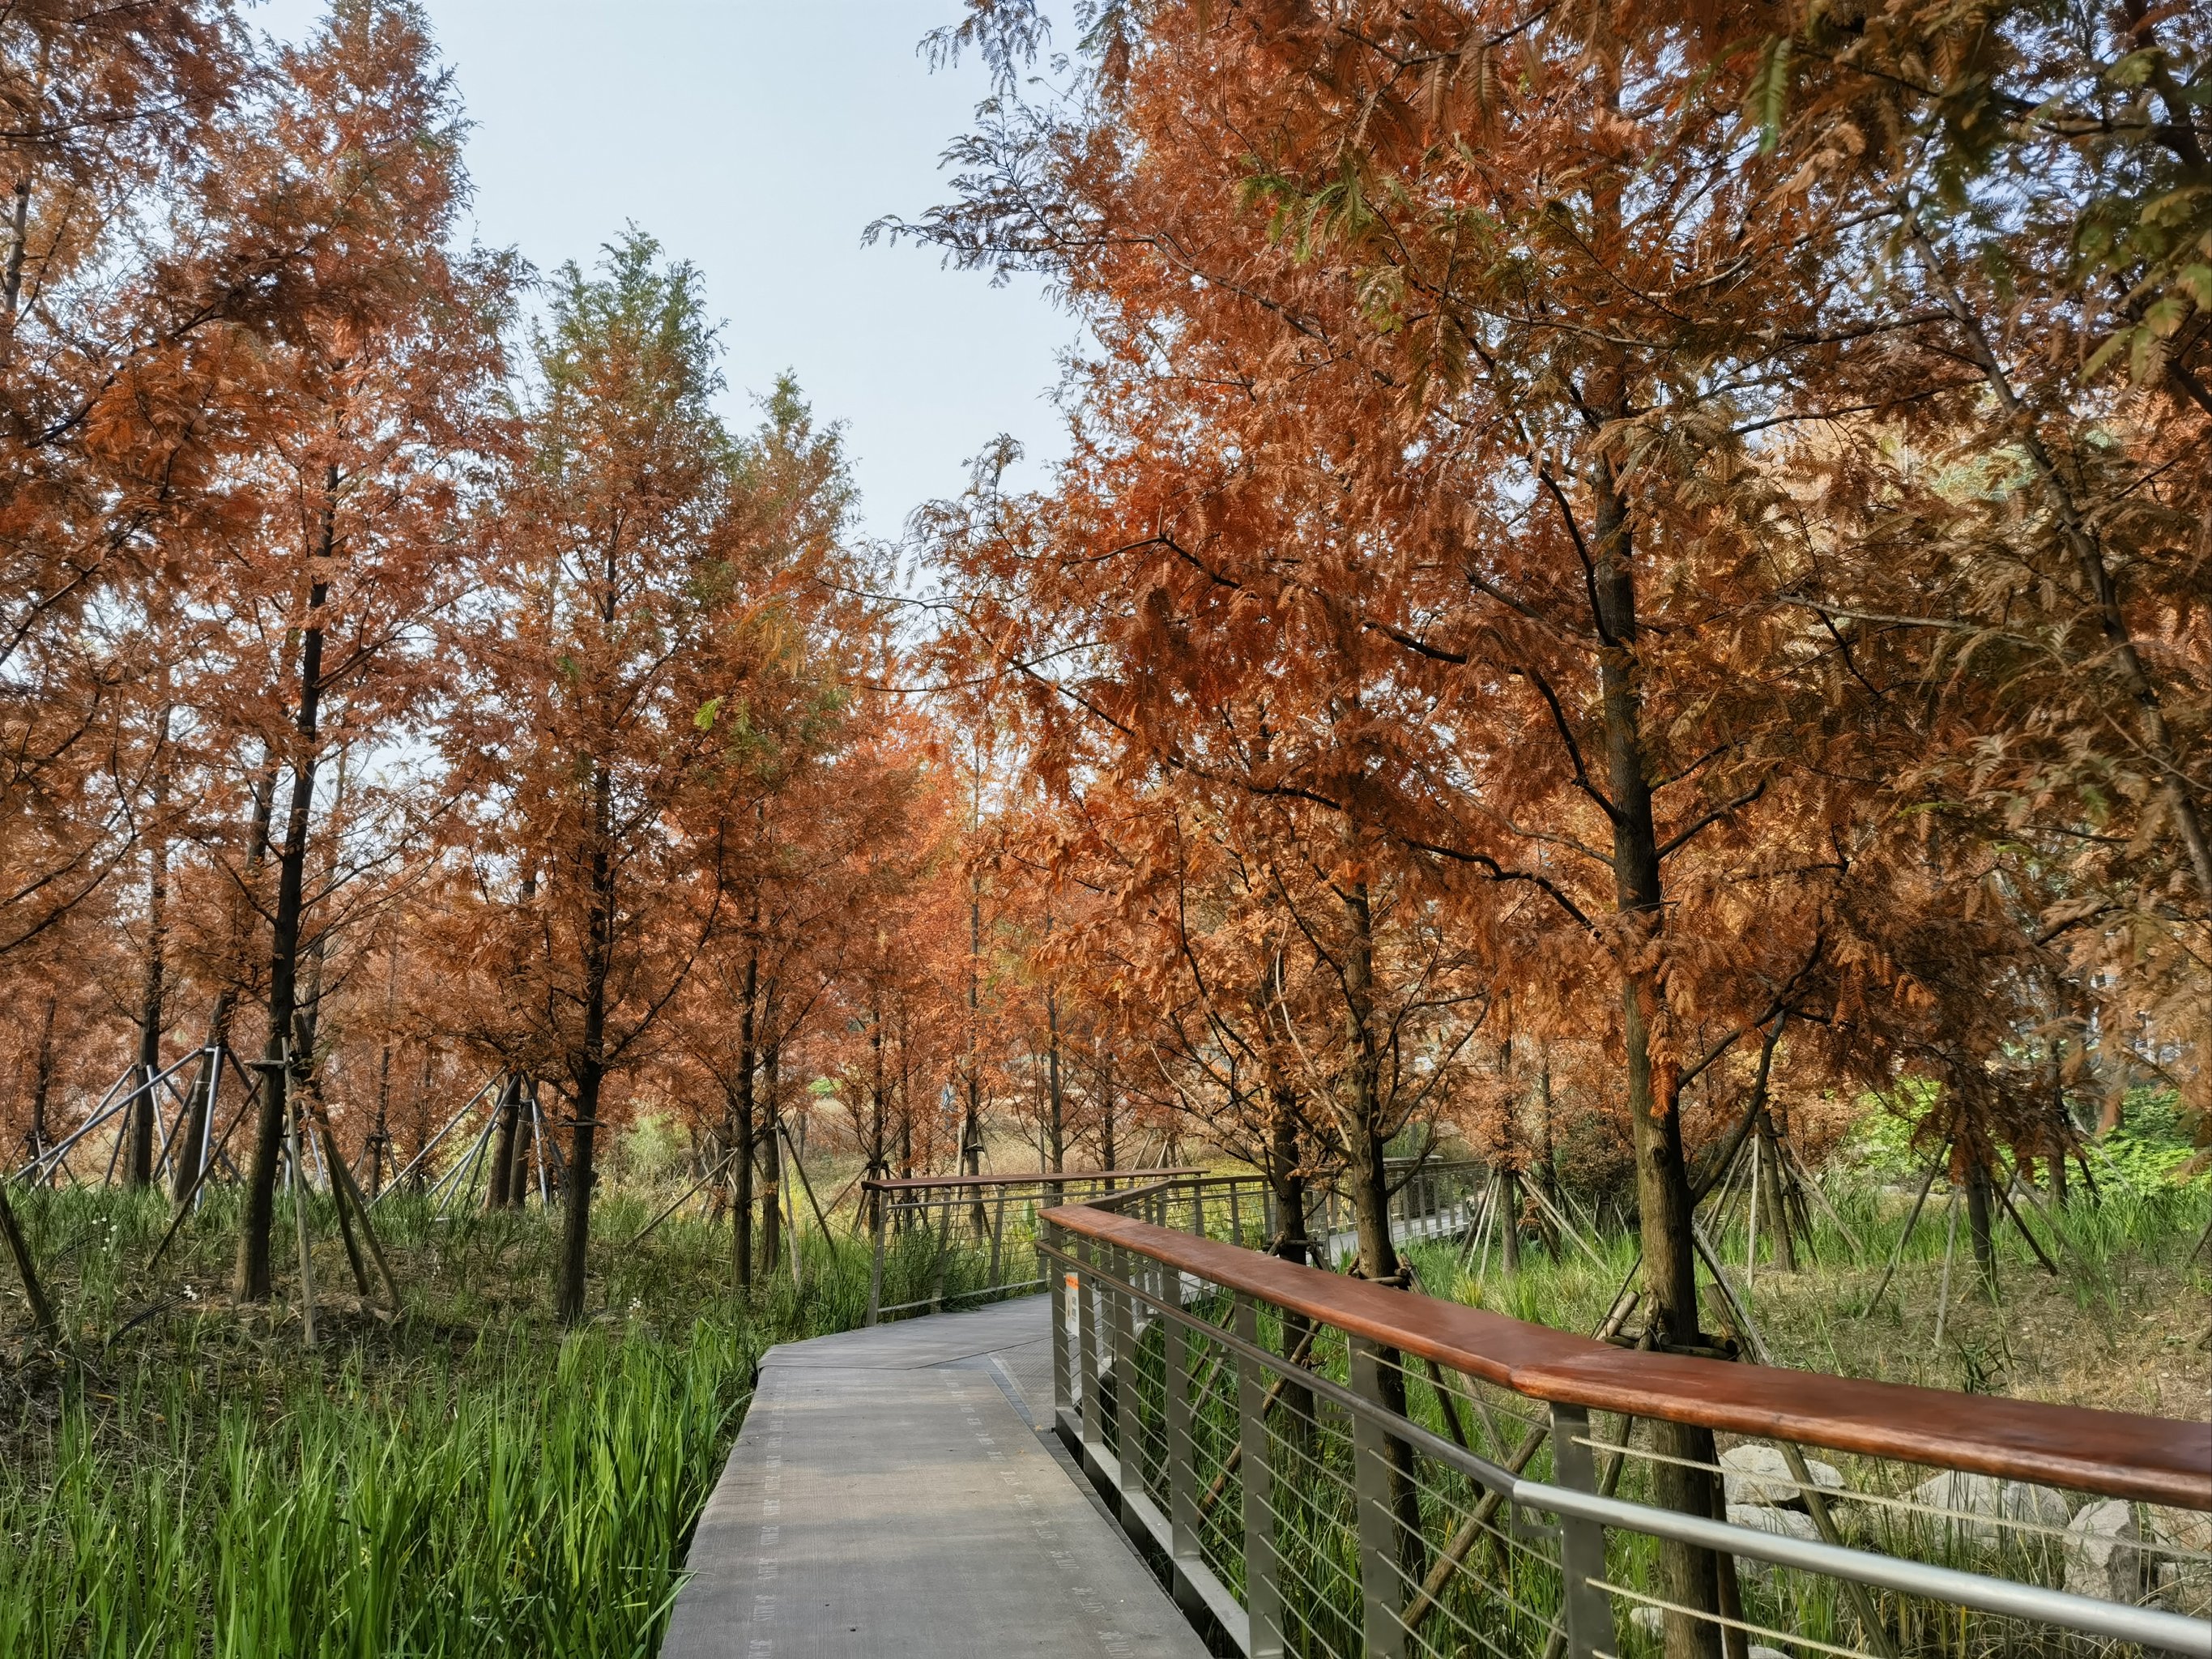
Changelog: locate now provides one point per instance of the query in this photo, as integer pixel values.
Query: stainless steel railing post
(876, 1265)
(1263, 1584)
(1128, 1422)
(1182, 1454)
(1586, 1609)
(1063, 1396)
(1086, 1327)
(998, 1235)
(1382, 1582)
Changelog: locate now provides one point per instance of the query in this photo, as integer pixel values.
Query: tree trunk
(771, 1157)
(379, 1137)
(504, 1193)
(577, 1193)
(1109, 1151)
(253, 1282)
(879, 1121)
(1287, 1178)
(1509, 1218)
(1980, 1216)
(1689, 1576)
(2062, 1129)
(1546, 1156)
(42, 1079)
(145, 1110)
(972, 1125)
(587, 1067)
(1366, 1143)
(1056, 1099)
(1365, 1138)
(1774, 1184)
(742, 1263)
(197, 1129)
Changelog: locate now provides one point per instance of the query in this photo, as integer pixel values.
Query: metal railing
(1324, 1466)
(945, 1241)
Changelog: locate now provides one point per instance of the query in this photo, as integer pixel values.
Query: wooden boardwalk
(890, 1495)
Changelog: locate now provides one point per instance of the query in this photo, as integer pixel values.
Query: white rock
(1787, 1523)
(1761, 1474)
(2101, 1559)
(1758, 1652)
(1984, 1496)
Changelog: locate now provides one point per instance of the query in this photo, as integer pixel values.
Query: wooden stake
(1950, 1244)
(42, 1311)
(1898, 1254)
(300, 1217)
(343, 1180)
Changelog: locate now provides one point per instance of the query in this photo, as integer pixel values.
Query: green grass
(182, 1477)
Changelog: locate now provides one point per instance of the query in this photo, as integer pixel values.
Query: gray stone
(1758, 1652)
(1765, 1517)
(1761, 1474)
(1990, 1504)
(2102, 1559)
(2183, 1561)
(2182, 1529)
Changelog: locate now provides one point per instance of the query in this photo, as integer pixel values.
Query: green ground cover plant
(182, 1477)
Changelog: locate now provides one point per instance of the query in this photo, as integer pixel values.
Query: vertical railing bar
(1181, 1452)
(1129, 1430)
(1586, 1610)
(1092, 1430)
(876, 1265)
(1063, 1398)
(998, 1233)
(1382, 1588)
(1263, 1591)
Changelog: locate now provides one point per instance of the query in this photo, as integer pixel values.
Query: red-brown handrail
(1040, 1178)
(2150, 1458)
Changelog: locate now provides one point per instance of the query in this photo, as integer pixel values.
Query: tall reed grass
(183, 1479)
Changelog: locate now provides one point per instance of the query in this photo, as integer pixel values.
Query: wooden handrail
(2123, 1455)
(1041, 1178)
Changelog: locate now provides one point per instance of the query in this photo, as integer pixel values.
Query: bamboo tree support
(1806, 1183)
(1816, 1502)
(299, 1215)
(1476, 1224)
(348, 1195)
(1751, 1221)
(638, 1237)
(807, 1186)
(1898, 1254)
(42, 1310)
(790, 1221)
(352, 1248)
(1950, 1246)
(190, 1200)
(2004, 1197)
(436, 1140)
(1562, 1224)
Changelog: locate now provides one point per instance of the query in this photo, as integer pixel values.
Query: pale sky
(756, 138)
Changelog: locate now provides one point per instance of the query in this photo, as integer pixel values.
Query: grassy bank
(2120, 1325)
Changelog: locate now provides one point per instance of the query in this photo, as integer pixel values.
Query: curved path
(890, 1496)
